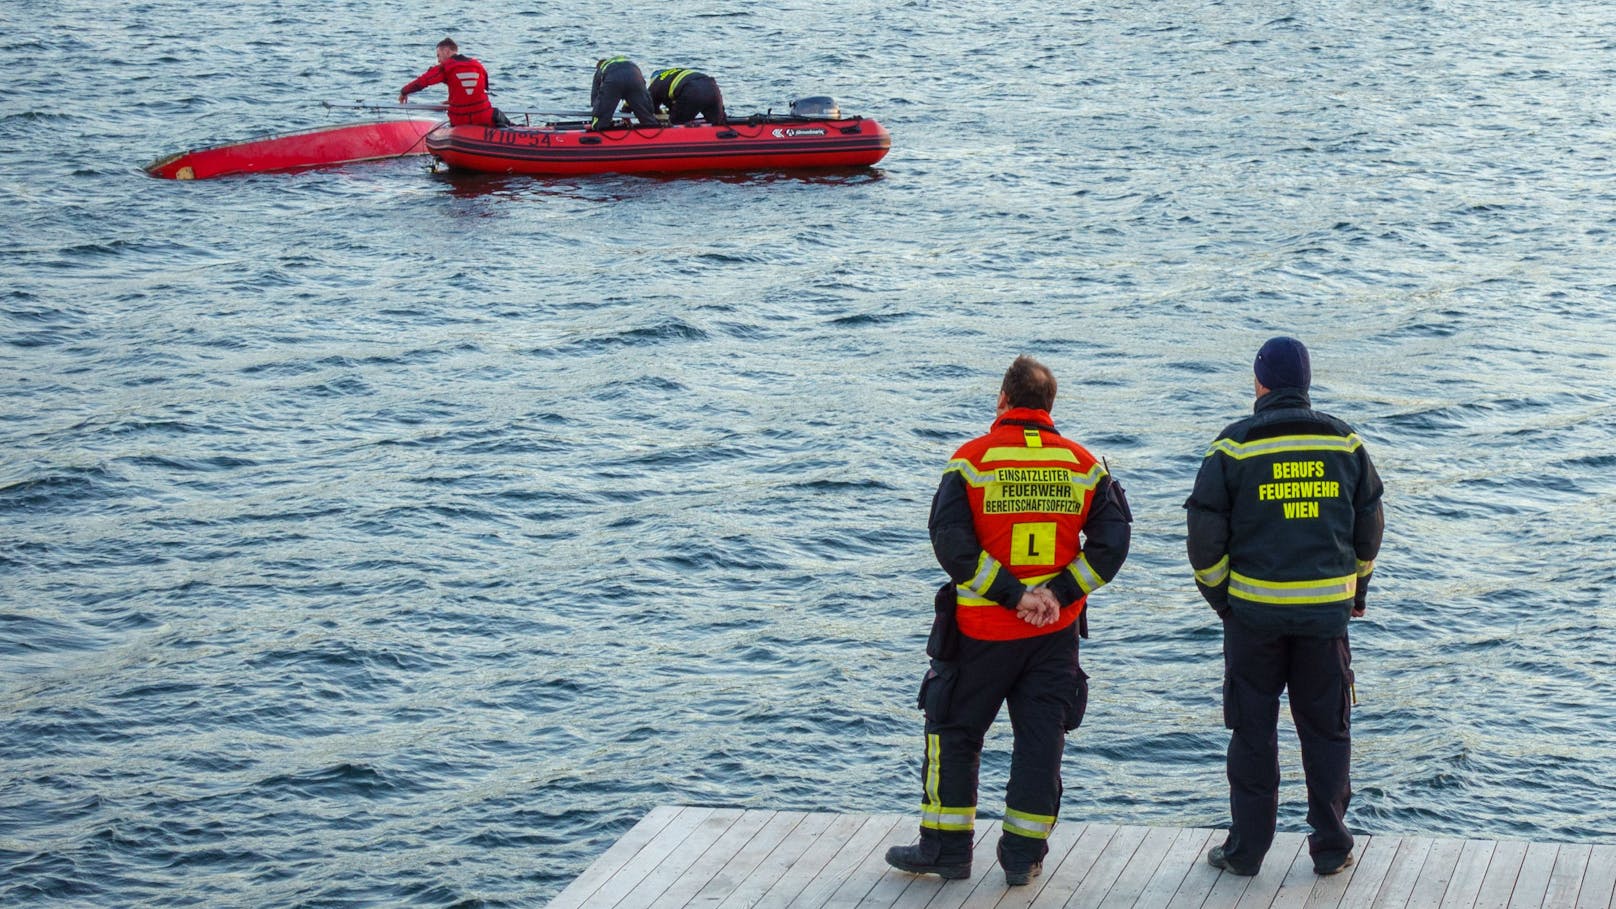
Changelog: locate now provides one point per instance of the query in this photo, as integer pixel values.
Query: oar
(443, 107)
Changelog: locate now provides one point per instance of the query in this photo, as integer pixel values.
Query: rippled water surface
(380, 537)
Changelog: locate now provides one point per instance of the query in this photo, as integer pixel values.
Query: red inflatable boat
(757, 143)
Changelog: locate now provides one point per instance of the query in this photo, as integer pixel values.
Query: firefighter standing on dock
(1285, 523)
(1027, 524)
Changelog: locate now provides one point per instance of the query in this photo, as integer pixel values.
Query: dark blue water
(375, 537)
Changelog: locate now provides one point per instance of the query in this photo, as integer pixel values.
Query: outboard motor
(819, 107)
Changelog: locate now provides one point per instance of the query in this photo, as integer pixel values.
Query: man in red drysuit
(467, 82)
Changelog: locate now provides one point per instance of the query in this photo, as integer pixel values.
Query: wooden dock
(722, 857)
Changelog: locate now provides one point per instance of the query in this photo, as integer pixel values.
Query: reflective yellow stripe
(969, 473)
(938, 817)
(683, 74)
(1034, 440)
(1292, 593)
(1007, 453)
(1216, 575)
(964, 599)
(1035, 826)
(1085, 575)
(1365, 569)
(933, 813)
(1284, 444)
(934, 748)
(987, 568)
(608, 62)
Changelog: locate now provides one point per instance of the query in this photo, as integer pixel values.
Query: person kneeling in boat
(619, 81)
(686, 94)
(467, 82)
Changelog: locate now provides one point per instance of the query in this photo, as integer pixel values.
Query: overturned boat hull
(318, 147)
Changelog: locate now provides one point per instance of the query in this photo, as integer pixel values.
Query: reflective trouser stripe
(1035, 826)
(1292, 593)
(1215, 575)
(933, 813)
(938, 817)
(934, 752)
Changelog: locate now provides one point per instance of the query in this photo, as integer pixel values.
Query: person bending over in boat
(467, 82)
(687, 93)
(619, 81)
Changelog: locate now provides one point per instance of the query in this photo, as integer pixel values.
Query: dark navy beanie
(1282, 363)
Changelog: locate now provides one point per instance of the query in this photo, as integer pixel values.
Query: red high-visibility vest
(1030, 492)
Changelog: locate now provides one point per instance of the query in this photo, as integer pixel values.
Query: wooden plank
(812, 861)
(1468, 873)
(1570, 866)
(1108, 867)
(1533, 881)
(1404, 872)
(890, 884)
(799, 831)
(872, 834)
(1298, 883)
(1200, 879)
(866, 874)
(1185, 853)
(781, 860)
(1599, 883)
(1067, 875)
(1264, 886)
(1139, 871)
(850, 860)
(615, 858)
(660, 863)
(1331, 889)
(727, 858)
(713, 860)
(1502, 871)
(1060, 848)
(978, 888)
(1369, 875)
(751, 853)
(1435, 874)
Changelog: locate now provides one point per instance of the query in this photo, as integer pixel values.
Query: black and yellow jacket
(1285, 521)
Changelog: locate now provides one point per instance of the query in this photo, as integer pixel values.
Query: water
(375, 537)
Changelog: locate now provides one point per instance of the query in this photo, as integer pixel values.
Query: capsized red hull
(316, 147)
(773, 144)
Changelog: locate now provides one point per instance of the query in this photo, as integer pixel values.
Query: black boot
(947, 855)
(1218, 858)
(1018, 871)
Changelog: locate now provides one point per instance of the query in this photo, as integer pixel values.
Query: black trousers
(698, 95)
(1318, 674)
(622, 82)
(1047, 691)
